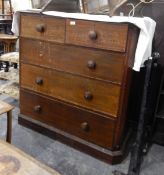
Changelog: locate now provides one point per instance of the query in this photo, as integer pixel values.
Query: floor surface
(67, 160)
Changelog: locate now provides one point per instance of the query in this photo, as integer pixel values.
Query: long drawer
(92, 94)
(97, 35)
(86, 125)
(44, 28)
(77, 60)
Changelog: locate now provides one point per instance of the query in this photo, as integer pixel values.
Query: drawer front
(89, 126)
(81, 61)
(44, 28)
(95, 95)
(97, 34)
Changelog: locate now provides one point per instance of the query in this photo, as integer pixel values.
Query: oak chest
(75, 79)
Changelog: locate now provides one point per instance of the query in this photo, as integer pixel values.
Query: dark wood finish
(6, 108)
(76, 82)
(39, 81)
(112, 157)
(77, 90)
(9, 126)
(91, 64)
(85, 126)
(92, 34)
(40, 28)
(81, 123)
(88, 95)
(105, 65)
(126, 85)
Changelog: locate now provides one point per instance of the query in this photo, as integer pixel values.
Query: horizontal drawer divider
(69, 44)
(111, 117)
(76, 74)
(78, 122)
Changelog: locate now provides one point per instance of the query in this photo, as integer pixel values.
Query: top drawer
(44, 28)
(106, 36)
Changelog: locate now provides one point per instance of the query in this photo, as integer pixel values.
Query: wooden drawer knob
(37, 108)
(39, 81)
(40, 28)
(92, 35)
(85, 126)
(88, 96)
(91, 64)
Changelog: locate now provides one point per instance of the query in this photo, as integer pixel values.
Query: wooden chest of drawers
(75, 78)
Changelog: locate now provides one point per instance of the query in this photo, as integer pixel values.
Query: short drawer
(44, 28)
(107, 36)
(77, 60)
(86, 125)
(92, 94)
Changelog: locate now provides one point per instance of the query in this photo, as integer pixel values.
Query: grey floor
(67, 160)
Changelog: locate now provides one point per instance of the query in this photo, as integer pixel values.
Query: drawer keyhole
(39, 81)
(85, 126)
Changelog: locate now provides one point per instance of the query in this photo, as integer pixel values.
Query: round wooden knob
(91, 64)
(40, 28)
(92, 35)
(88, 96)
(85, 126)
(39, 81)
(37, 108)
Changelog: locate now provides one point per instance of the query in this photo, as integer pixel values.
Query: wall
(21, 5)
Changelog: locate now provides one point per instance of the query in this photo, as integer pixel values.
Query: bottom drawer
(81, 123)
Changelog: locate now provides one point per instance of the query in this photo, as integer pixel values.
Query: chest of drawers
(75, 78)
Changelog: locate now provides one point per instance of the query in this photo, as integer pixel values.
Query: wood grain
(109, 66)
(54, 30)
(71, 88)
(109, 36)
(104, 154)
(70, 119)
(75, 79)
